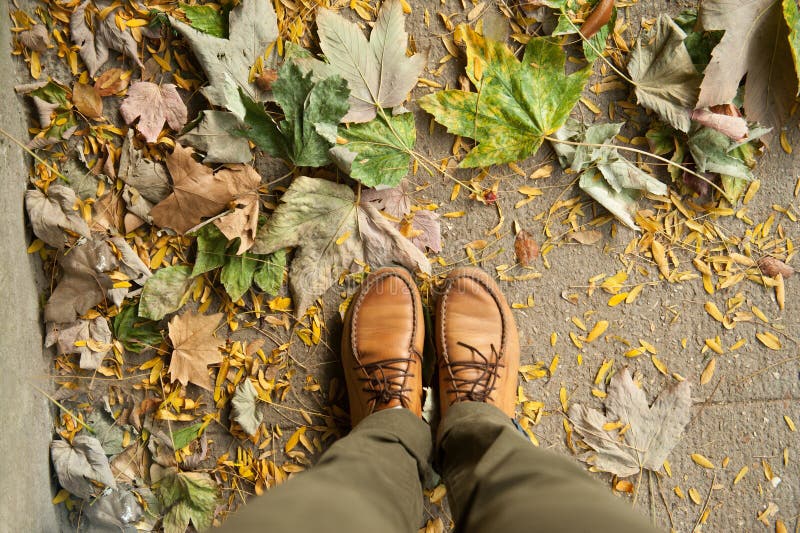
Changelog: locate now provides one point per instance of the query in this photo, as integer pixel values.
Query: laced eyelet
(480, 388)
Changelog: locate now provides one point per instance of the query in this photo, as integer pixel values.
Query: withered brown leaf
(194, 348)
(525, 248)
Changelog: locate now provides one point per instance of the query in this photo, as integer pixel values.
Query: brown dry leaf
(94, 337)
(199, 192)
(194, 348)
(525, 248)
(54, 212)
(104, 35)
(586, 237)
(652, 434)
(154, 105)
(424, 229)
(111, 82)
(772, 266)
(84, 282)
(242, 222)
(37, 38)
(87, 100)
(108, 213)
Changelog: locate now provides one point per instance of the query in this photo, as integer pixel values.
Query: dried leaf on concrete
(153, 105)
(80, 464)
(244, 411)
(95, 43)
(194, 348)
(331, 232)
(94, 336)
(199, 192)
(84, 281)
(54, 212)
(651, 432)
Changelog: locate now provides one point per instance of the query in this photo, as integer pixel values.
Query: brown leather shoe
(384, 332)
(476, 341)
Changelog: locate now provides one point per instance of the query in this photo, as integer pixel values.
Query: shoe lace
(384, 380)
(480, 387)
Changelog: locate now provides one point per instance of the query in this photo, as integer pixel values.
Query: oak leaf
(252, 28)
(153, 105)
(194, 348)
(104, 35)
(518, 103)
(332, 232)
(651, 431)
(200, 192)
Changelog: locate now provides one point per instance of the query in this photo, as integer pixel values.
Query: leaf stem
(598, 52)
(641, 152)
(61, 406)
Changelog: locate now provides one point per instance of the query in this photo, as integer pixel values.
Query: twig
(705, 505)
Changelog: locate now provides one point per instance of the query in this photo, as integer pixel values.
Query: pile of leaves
(146, 224)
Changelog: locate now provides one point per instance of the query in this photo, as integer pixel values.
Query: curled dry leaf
(154, 105)
(599, 17)
(772, 266)
(94, 338)
(589, 236)
(194, 348)
(525, 248)
(104, 35)
(245, 412)
(36, 39)
(651, 432)
(54, 212)
(734, 127)
(84, 281)
(81, 464)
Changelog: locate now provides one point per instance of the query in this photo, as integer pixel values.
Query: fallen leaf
(252, 29)
(108, 213)
(188, 497)
(242, 222)
(146, 181)
(37, 38)
(81, 464)
(153, 105)
(200, 192)
(377, 152)
(112, 81)
(194, 348)
(590, 236)
(652, 434)
(525, 248)
(664, 75)
(94, 336)
(165, 292)
(711, 151)
(87, 100)
(702, 460)
(426, 231)
(212, 137)
(619, 182)
(207, 19)
(395, 202)
(519, 104)
(244, 411)
(136, 334)
(104, 35)
(84, 281)
(52, 213)
(754, 30)
(791, 13)
(131, 265)
(594, 30)
(378, 71)
(269, 275)
(312, 111)
(772, 266)
(237, 274)
(734, 127)
(331, 232)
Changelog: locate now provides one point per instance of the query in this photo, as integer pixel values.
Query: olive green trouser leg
(368, 481)
(497, 481)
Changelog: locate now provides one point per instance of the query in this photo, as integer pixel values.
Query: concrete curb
(26, 426)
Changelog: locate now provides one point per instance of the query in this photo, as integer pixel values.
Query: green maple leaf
(311, 116)
(206, 19)
(517, 105)
(377, 152)
(188, 497)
